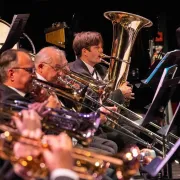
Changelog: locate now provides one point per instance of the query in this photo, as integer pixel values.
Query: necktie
(95, 74)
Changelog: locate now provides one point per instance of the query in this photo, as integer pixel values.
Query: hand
(40, 108)
(149, 155)
(59, 154)
(22, 151)
(29, 124)
(105, 112)
(53, 102)
(127, 91)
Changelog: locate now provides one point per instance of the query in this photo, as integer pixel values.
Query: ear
(11, 74)
(84, 51)
(40, 66)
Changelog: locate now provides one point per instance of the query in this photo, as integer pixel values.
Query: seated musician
(16, 81)
(16, 71)
(57, 158)
(16, 67)
(88, 47)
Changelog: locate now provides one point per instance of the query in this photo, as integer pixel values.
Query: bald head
(48, 55)
(47, 60)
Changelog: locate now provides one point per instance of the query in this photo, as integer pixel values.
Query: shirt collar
(40, 77)
(90, 68)
(19, 92)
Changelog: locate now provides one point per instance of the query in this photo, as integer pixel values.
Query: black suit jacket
(9, 95)
(80, 67)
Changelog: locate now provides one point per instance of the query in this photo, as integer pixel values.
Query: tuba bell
(125, 29)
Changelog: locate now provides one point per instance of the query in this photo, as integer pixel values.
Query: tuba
(125, 29)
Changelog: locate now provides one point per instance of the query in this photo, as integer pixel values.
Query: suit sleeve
(117, 96)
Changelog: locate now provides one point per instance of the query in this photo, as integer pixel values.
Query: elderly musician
(49, 63)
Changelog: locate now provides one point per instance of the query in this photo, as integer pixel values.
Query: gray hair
(44, 56)
(8, 59)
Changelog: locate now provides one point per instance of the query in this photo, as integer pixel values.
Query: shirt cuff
(64, 172)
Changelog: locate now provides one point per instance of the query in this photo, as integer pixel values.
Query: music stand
(166, 87)
(156, 165)
(164, 130)
(162, 95)
(15, 32)
(170, 58)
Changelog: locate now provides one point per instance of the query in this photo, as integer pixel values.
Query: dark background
(88, 16)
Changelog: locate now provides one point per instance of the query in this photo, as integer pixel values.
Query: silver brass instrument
(81, 126)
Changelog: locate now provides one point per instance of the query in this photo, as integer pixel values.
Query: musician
(16, 71)
(57, 158)
(88, 47)
(48, 64)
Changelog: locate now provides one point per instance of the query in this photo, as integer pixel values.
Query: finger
(25, 115)
(42, 106)
(18, 122)
(35, 119)
(32, 124)
(32, 134)
(38, 133)
(65, 141)
(114, 108)
(47, 154)
(46, 112)
(30, 106)
(25, 132)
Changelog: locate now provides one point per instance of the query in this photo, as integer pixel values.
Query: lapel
(79, 67)
(8, 94)
(102, 70)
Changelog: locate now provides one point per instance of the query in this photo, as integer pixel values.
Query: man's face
(52, 70)
(22, 72)
(93, 55)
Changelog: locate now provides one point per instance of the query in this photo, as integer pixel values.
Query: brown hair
(86, 40)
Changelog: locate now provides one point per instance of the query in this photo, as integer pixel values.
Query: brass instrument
(130, 120)
(76, 96)
(88, 164)
(81, 126)
(97, 86)
(125, 29)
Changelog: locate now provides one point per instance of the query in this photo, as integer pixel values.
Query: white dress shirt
(64, 172)
(40, 77)
(91, 70)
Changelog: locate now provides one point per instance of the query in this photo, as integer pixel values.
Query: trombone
(117, 116)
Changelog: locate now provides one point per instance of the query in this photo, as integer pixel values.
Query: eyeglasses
(57, 67)
(29, 70)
